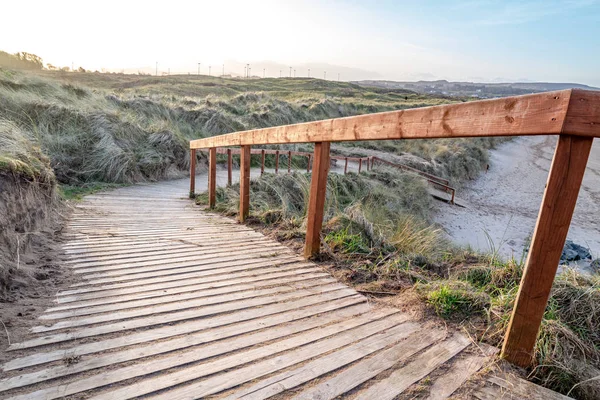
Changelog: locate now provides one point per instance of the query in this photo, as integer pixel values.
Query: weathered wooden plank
(554, 218)
(244, 183)
(326, 299)
(536, 114)
(316, 202)
(399, 380)
(202, 305)
(445, 385)
(237, 268)
(297, 376)
(189, 293)
(280, 325)
(169, 318)
(332, 337)
(165, 293)
(511, 386)
(371, 367)
(246, 269)
(212, 177)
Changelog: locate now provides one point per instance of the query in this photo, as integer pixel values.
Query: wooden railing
(573, 114)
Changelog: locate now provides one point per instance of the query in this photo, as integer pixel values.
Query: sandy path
(504, 202)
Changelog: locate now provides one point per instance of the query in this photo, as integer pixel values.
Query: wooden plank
(185, 328)
(583, 114)
(349, 378)
(459, 372)
(240, 270)
(202, 305)
(554, 218)
(536, 114)
(97, 305)
(186, 293)
(244, 183)
(520, 388)
(316, 202)
(399, 380)
(371, 367)
(212, 177)
(125, 261)
(169, 318)
(248, 267)
(197, 346)
(229, 167)
(331, 337)
(192, 173)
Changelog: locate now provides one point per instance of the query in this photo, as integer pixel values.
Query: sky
(466, 40)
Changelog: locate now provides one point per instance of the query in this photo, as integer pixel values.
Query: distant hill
(470, 89)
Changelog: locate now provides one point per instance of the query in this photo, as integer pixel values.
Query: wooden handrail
(571, 111)
(573, 114)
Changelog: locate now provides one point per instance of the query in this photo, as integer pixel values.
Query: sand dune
(504, 202)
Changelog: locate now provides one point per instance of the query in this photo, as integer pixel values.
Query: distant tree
(21, 60)
(81, 69)
(51, 67)
(65, 69)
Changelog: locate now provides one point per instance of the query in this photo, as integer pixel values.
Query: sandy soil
(504, 202)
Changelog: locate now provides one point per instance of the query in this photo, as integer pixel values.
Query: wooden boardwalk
(176, 303)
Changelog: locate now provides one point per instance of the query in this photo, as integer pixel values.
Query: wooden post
(276, 161)
(359, 165)
(316, 202)
(262, 162)
(368, 165)
(245, 182)
(554, 218)
(212, 177)
(372, 162)
(289, 162)
(308, 165)
(229, 166)
(192, 173)
(346, 166)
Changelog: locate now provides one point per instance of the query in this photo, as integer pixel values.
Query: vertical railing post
(368, 165)
(245, 182)
(229, 167)
(372, 162)
(192, 173)
(554, 218)
(359, 165)
(212, 177)
(316, 202)
(276, 161)
(308, 165)
(262, 162)
(289, 161)
(346, 166)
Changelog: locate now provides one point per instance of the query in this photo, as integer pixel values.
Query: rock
(575, 252)
(595, 265)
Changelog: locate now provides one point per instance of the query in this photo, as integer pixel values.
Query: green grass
(71, 192)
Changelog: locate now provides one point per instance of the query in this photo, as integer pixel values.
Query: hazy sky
(491, 40)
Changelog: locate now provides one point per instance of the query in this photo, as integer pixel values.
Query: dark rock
(575, 252)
